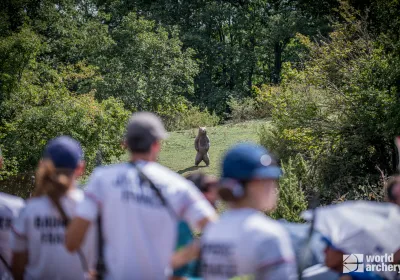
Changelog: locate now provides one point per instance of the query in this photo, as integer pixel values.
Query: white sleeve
(275, 258)
(19, 235)
(195, 206)
(89, 207)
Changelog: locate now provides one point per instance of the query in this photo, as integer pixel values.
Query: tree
(146, 67)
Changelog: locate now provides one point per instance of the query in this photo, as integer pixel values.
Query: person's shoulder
(260, 224)
(107, 172)
(35, 204)
(11, 201)
(163, 175)
(76, 194)
(36, 201)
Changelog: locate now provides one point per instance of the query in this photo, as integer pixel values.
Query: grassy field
(178, 151)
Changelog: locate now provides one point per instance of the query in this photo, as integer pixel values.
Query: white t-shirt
(40, 230)
(244, 242)
(9, 209)
(139, 232)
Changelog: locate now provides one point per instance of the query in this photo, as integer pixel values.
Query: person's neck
(144, 157)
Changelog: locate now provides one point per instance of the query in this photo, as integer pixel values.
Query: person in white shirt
(245, 242)
(10, 207)
(140, 203)
(38, 239)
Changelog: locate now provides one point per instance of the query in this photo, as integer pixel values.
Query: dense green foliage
(340, 111)
(292, 200)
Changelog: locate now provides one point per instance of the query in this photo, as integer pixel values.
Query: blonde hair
(53, 182)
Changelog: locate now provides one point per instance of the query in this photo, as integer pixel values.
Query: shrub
(190, 117)
(250, 108)
(242, 109)
(292, 200)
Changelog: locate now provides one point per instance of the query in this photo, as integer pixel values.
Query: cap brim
(270, 172)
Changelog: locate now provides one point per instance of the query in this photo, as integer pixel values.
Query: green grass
(178, 151)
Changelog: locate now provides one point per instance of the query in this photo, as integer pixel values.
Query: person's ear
(156, 146)
(80, 169)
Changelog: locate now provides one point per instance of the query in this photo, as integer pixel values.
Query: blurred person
(392, 195)
(245, 242)
(139, 205)
(38, 239)
(334, 260)
(9, 209)
(357, 227)
(207, 184)
(392, 190)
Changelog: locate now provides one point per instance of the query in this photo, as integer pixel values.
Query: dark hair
(52, 182)
(226, 194)
(200, 180)
(390, 184)
(138, 145)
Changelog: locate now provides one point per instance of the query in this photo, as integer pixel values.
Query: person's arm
(197, 212)
(86, 213)
(18, 264)
(76, 233)
(185, 255)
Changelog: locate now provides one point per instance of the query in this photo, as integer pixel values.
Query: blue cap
(248, 161)
(64, 152)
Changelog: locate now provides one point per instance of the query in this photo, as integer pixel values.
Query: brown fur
(202, 145)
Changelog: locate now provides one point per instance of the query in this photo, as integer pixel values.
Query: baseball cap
(64, 152)
(144, 128)
(248, 161)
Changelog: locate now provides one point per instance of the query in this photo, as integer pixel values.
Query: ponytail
(53, 182)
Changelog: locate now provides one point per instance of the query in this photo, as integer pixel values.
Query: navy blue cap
(248, 161)
(64, 152)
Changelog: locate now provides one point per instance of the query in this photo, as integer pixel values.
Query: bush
(292, 200)
(242, 109)
(251, 108)
(190, 117)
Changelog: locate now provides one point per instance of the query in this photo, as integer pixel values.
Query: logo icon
(353, 263)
